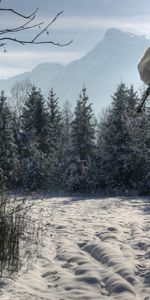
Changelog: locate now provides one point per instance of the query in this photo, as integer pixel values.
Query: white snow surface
(93, 249)
(144, 67)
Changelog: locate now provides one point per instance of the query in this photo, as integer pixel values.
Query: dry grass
(17, 230)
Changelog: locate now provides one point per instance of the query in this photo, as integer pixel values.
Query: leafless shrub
(20, 235)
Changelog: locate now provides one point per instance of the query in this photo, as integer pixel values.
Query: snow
(144, 67)
(92, 249)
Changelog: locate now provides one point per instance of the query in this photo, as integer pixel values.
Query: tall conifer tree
(116, 146)
(8, 149)
(55, 140)
(81, 150)
(35, 130)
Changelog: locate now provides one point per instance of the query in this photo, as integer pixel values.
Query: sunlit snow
(93, 249)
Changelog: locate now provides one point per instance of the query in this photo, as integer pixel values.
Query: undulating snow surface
(93, 249)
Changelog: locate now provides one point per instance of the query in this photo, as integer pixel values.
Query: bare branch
(19, 14)
(46, 27)
(21, 28)
(24, 42)
(27, 26)
(3, 31)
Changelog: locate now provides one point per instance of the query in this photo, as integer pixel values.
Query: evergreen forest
(47, 148)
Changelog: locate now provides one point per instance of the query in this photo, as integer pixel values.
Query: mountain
(112, 60)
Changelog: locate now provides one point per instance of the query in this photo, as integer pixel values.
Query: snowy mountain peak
(113, 32)
(113, 59)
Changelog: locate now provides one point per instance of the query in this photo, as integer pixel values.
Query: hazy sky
(84, 21)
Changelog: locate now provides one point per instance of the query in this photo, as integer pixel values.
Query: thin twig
(24, 42)
(46, 27)
(22, 27)
(25, 27)
(19, 14)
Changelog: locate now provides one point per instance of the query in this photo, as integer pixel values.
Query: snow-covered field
(93, 249)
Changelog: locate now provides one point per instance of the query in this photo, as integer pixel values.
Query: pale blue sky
(84, 21)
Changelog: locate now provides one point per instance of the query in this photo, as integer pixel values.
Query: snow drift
(93, 249)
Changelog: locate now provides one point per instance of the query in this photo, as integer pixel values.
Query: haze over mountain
(112, 60)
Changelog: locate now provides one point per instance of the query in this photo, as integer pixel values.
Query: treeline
(43, 147)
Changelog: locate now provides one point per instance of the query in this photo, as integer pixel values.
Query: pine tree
(81, 150)
(115, 143)
(134, 130)
(34, 126)
(55, 140)
(141, 151)
(35, 120)
(8, 149)
(55, 120)
(67, 118)
(132, 102)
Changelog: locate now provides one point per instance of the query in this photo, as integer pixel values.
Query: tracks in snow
(94, 249)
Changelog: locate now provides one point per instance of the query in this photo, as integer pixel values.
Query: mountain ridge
(112, 60)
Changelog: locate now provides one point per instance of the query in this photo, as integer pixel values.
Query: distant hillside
(113, 59)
